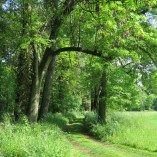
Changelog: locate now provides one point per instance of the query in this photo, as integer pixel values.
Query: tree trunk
(47, 89)
(23, 72)
(102, 98)
(94, 99)
(92, 103)
(35, 89)
(35, 98)
(38, 70)
(60, 92)
(23, 84)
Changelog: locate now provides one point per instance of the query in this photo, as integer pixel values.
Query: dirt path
(90, 147)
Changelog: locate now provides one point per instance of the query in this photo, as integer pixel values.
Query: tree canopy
(109, 55)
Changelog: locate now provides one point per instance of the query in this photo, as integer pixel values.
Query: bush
(57, 119)
(110, 128)
(6, 118)
(100, 131)
(70, 115)
(91, 119)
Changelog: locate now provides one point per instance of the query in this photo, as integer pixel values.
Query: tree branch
(47, 54)
(149, 54)
(86, 51)
(78, 49)
(68, 6)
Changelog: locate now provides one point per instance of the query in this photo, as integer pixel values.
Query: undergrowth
(43, 139)
(60, 119)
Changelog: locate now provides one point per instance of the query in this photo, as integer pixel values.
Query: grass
(138, 129)
(43, 139)
(94, 148)
(130, 134)
(133, 129)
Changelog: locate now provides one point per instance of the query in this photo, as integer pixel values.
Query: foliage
(116, 30)
(56, 119)
(71, 115)
(25, 140)
(60, 119)
(66, 94)
(124, 91)
(7, 89)
(91, 119)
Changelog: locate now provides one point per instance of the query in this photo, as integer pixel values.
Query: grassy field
(139, 130)
(94, 148)
(134, 129)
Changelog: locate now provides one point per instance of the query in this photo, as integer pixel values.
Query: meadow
(134, 129)
(139, 130)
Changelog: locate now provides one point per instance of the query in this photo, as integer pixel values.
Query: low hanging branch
(49, 52)
(78, 49)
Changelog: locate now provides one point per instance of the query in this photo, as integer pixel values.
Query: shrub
(7, 118)
(91, 119)
(57, 119)
(100, 131)
(104, 131)
(70, 115)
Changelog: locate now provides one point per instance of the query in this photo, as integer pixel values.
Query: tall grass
(60, 119)
(56, 119)
(135, 129)
(38, 140)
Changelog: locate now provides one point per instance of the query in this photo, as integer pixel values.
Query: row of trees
(115, 66)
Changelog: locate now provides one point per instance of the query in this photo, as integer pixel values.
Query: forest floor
(86, 146)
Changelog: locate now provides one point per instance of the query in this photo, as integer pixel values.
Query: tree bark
(23, 72)
(33, 110)
(47, 89)
(94, 99)
(35, 89)
(35, 98)
(102, 97)
(23, 84)
(60, 92)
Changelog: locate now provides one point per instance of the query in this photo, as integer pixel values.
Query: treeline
(76, 86)
(76, 55)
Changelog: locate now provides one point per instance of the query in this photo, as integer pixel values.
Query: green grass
(37, 140)
(94, 148)
(134, 129)
(130, 134)
(138, 129)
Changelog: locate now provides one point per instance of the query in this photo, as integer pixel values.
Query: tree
(56, 22)
(47, 89)
(102, 30)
